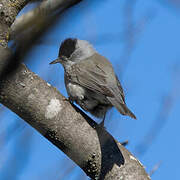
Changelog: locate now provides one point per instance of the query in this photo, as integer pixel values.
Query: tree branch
(91, 147)
(46, 9)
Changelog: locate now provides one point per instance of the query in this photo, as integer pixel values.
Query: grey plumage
(90, 79)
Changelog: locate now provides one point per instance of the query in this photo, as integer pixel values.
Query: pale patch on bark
(53, 108)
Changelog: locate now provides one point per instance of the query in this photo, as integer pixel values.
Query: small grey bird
(90, 79)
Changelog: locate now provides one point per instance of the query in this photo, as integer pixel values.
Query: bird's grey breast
(74, 90)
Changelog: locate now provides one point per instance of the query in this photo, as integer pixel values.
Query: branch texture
(8, 12)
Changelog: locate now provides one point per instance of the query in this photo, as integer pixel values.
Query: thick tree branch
(90, 146)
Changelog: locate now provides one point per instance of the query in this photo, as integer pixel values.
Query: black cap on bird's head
(74, 50)
(67, 47)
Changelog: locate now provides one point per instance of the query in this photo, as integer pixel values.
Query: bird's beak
(55, 61)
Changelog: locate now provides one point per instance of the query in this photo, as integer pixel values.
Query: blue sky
(142, 42)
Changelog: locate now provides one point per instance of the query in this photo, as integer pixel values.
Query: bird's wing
(91, 75)
(120, 89)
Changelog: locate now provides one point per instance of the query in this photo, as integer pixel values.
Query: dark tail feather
(122, 108)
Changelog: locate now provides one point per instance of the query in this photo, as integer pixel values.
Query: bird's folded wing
(92, 78)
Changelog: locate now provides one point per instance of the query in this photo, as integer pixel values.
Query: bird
(90, 79)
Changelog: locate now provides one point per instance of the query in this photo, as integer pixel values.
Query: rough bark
(44, 108)
(8, 12)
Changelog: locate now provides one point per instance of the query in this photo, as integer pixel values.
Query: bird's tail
(122, 108)
(128, 112)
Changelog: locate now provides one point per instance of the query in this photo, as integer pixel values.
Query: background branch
(41, 13)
